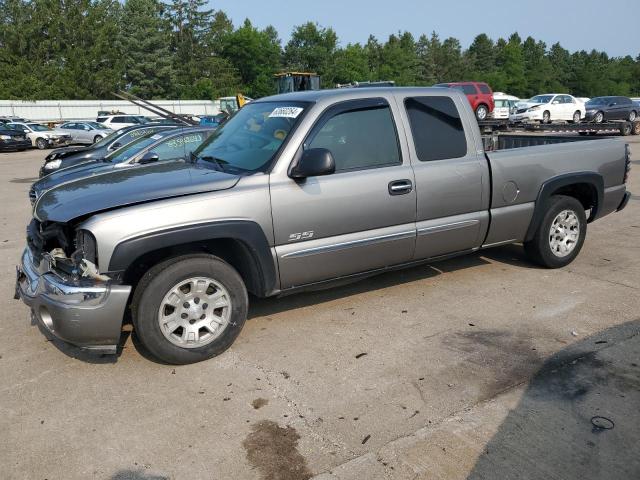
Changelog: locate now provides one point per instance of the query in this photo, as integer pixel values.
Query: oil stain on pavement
(273, 451)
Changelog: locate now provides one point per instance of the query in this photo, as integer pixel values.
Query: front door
(360, 218)
(452, 178)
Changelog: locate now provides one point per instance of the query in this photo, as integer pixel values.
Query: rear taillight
(627, 162)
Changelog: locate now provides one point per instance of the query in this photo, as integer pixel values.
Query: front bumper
(12, 145)
(527, 116)
(86, 313)
(589, 116)
(57, 141)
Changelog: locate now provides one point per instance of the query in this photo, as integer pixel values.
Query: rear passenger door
(360, 218)
(452, 178)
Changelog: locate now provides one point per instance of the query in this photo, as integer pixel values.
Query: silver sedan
(85, 132)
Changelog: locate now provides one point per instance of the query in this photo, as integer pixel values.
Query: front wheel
(189, 309)
(560, 235)
(482, 112)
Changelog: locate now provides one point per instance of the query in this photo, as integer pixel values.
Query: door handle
(400, 187)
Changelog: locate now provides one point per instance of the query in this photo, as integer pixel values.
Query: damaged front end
(72, 253)
(59, 280)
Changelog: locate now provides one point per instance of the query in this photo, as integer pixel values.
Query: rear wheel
(546, 117)
(482, 112)
(189, 309)
(560, 235)
(599, 117)
(41, 143)
(576, 117)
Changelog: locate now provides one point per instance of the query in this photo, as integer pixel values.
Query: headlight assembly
(52, 165)
(86, 247)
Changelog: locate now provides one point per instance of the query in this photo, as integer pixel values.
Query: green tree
(146, 50)
(481, 57)
(399, 60)
(351, 64)
(512, 59)
(312, 48)
(256, 55)
(537, 67)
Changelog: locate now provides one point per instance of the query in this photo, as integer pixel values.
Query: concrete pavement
(411, 374)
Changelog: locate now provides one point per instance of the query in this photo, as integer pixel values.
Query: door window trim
(346, 106)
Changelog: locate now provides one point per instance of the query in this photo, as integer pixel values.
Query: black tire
(539, 249)
(598, 117)
(97, 138)
(546, 117)
(633, 115)
(482, 112)
(159, 280)
(626, 129)
(576, 116)
(41, 143)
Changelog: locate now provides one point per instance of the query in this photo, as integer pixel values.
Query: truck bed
(519, 171)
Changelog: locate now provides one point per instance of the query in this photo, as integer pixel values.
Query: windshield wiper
(219, 162)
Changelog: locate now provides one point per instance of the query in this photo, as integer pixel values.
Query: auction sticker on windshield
(286, 112)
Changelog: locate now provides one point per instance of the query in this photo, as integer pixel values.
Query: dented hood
(128, 186)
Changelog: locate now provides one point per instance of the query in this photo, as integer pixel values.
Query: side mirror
(314, 162)
(149, 157)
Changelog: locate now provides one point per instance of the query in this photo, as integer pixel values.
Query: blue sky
(612, 26)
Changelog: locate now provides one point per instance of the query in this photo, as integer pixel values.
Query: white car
(550, 107)
(85, 132)
(504, 104)
(41, 136)
(116, 122)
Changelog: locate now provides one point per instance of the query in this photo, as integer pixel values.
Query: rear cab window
(436, 128)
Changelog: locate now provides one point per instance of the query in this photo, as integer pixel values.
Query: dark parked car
(70, 156)
(161, 146)
(600, 109)
(13, 140)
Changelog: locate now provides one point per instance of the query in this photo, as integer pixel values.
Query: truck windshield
(249, 140)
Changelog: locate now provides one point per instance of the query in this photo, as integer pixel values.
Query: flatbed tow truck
(623, 128)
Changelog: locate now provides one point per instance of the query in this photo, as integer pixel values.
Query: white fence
(57, 110)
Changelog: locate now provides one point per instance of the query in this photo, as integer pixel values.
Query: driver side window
(359, 139)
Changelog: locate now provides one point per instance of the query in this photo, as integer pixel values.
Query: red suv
(479, 94)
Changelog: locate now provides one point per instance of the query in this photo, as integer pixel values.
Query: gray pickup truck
(294, 192)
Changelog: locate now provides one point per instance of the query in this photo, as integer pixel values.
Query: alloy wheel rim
(195, 312)
(564, 233)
